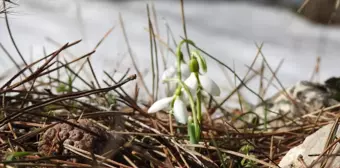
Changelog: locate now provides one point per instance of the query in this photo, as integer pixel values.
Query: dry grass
(35, 99)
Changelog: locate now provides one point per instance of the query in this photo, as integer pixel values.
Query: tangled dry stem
(31, 107)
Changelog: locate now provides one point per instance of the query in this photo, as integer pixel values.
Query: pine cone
(54, 138)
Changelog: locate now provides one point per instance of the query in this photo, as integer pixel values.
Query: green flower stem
(194, 114)
(198, 105)
(179, 73)
(184, 41)
(194, 135)
(198, 99)
(179, 46)
(265, 116)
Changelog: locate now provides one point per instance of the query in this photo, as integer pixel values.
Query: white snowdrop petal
(180, 111)
(185, 71)
(191, 82)
(185, 97)
(209, 85)
(161, 104)
(169, 73)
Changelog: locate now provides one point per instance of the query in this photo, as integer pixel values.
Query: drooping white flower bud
(180, 111)
(171, 72)
(208, 85)
(162, 104)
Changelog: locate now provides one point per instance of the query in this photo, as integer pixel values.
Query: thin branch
(12, 38)
(131, 56)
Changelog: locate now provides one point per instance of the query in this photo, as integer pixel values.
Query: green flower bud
(193, 65)
(180, 55)
(201, 60)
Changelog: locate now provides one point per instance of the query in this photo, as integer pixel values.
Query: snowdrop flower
(162, 104)
(208, 85)
(180, 111)
(179, 108)
(195, 79)
(171, 72)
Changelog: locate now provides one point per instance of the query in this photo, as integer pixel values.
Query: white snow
(227, 30)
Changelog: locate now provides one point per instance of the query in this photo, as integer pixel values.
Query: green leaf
(191, 131)
(61, 88)
(111, 99)
(13, 155)
(70, 84)
(246, 149)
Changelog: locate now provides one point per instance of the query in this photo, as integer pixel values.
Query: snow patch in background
(226, 30)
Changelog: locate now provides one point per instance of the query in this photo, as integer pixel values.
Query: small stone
(313, 144)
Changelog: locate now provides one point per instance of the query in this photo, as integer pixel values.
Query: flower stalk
(194, 67)
(190, 91)
(193, 110)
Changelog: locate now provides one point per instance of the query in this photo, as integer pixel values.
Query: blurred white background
(226, 29)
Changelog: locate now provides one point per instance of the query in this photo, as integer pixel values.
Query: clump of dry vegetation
(47, 121)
